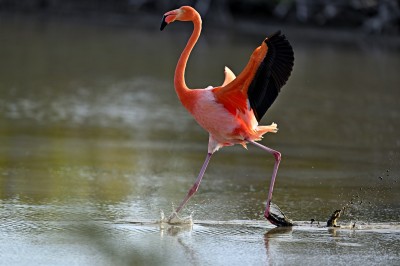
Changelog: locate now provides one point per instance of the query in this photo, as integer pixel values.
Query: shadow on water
(92, 134)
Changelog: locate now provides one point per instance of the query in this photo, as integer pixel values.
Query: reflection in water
(277, 232)
(181, 234)
(91, 131)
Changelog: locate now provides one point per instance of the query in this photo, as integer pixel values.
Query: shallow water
(94, 143)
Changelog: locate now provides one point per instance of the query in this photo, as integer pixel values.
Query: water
(94, 143)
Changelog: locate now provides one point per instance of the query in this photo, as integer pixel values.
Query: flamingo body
(214, 118)
(230, 113)
(224, 127)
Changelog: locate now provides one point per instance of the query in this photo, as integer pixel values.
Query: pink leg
(195, 186)
(277, 156)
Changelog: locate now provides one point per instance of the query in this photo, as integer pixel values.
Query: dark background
(367, 16)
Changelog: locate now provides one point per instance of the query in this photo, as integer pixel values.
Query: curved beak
(163, 22)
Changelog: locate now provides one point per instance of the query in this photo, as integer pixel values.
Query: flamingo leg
(195, 186)
(277, 156)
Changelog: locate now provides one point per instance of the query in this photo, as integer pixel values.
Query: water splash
(175, 219)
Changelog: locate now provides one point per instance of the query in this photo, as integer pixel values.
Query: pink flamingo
(231, 112)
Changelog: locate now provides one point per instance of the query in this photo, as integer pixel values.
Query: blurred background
(91, 130)
(370, 16)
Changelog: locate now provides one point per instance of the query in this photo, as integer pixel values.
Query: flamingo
(230, 113)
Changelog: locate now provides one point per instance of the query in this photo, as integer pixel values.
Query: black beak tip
(163, 23)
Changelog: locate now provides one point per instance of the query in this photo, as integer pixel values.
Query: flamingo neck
(179, 79)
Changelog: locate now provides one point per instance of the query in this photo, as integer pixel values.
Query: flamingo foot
(275, 216)
(174, 219)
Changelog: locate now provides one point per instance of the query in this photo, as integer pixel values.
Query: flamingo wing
(229, 76)
(271, 75)
(260, 82)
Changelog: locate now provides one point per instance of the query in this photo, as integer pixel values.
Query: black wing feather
(271, 75)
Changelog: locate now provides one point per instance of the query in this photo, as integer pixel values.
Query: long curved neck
(179, 79)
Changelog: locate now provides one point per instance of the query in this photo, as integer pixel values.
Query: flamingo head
(184, 13)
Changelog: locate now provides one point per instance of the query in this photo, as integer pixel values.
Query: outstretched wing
(271, 75)
(260, 82)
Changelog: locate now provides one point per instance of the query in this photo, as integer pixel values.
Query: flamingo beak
(163, 22)
(169, 17)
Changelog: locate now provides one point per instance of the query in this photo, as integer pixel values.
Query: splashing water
(175, 219)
